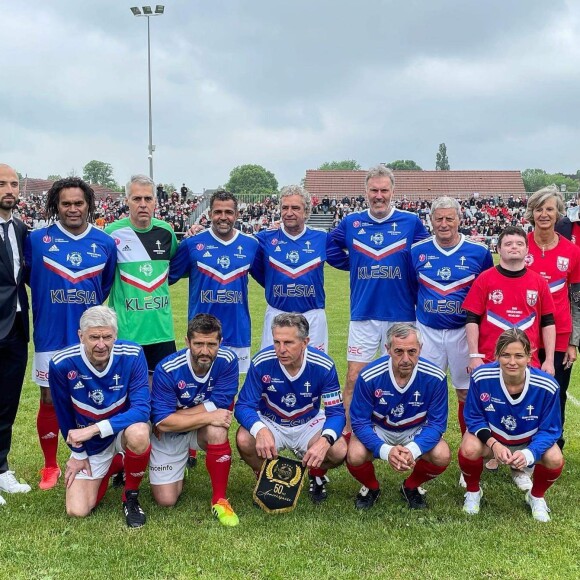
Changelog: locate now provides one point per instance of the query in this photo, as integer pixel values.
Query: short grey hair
(292, 320)
(539, 198)
(446, 202)
(289, 190)
(403, 330)
(139, 179)
(98, 316)
(380, 171)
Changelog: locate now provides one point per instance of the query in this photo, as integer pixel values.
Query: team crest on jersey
(496, 296)
(378, 393)
(531, 297)
(398, 410)
(224, 262)
(562, 263)
(274, 241)
(97, 397)
(199, 247)
(146, 269)
(445, 273)
(198, 398)
(293, 257)
(46, 239)
(422, 257)
(308, 249)
(74, 258)
(181, 385)
(509, 422)
(72, 375)
(529, 260)
(484, 397)
(377, 239)
(240, 253)
(394, 231)
(266, 378)
(356, 224)
(289, 400)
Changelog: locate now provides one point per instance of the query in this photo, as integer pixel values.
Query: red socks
(544, 478)
(218, 460)
(460, 417)
(365, 474)
(47, 428)
(193, 453)
(317, 472)
(135, 466)
(114, 468)
(471, 469)
(423, 471)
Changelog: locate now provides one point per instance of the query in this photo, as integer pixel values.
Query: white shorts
(316, 319)
(101, 462)
(243, 354)
(295, 438)
(447, 349)
(397, 437)
(169, 456)
(366, 337)
(40, 364)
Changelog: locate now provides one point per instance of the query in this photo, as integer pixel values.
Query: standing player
(290, 266)
(558, 261)
(446, 265)
(101, 396)
(279, 405)
(71, 267)
(382, 283)
(218, 261)
(140, 293)
(399, 415)
(512, 414)
(193, 391)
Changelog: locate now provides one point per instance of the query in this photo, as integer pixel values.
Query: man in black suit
(14, 333)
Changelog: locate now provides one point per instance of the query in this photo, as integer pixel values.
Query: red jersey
(560, 267)
(504, 302)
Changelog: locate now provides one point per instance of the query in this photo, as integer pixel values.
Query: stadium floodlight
(147, 13)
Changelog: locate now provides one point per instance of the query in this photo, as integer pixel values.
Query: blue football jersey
(176, 386)
(531, 419)
(113, 398)
(218, 280)
(291, 401)
(382, 282)
(444, 276)
(378, 400)
(67, 275)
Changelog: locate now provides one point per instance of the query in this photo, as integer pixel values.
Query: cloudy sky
(289, 85)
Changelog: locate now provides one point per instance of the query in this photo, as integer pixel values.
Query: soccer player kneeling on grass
(399, 414)
(512, 414)
(193, 392)
(100, 392)
(279, 405)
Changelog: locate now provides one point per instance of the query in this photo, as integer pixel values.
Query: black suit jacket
(10, 288)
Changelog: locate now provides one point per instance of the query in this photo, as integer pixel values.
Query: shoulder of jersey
(68, 352)
(405, 212)
(126, 347)
(175, 360)
(226, 354)
(487, 371)
(428, 240)
(429, 368)
(318, 233)
(249, 237)
(265, 355)
(319, 358)
(476, 244)
(376, 368)
(543, 380)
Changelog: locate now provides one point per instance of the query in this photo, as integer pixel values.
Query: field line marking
(573, 400)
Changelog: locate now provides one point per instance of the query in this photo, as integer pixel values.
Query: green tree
(252, 180)
(54, 177)
(442, 163)
(20, 177)
(345, 165)
(404, 165)
(101, 173)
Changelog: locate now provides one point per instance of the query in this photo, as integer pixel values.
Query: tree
(442, 163)
(54, 177)
(101, 173)
(535, 179)
(346, 165)
(252, 180)
(404, 165)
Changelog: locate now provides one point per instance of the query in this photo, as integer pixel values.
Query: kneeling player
(100, 391)
(399, 414)
(279, 405)
(512, 414)
(193, 391)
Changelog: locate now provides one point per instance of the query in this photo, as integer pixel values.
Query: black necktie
(7, 243)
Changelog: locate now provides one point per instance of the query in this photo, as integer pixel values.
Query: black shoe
(413, 498)
(317, 489)
(118, 480)
(134, 515)
(191, 462)
(366, 498)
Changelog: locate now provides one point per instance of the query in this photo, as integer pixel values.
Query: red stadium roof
(31, 186)
(422, 184)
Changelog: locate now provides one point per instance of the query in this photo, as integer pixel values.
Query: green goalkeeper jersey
(140, 293)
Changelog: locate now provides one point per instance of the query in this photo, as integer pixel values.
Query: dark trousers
(13, 357)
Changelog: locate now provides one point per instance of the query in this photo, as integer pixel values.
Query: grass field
(37, 539)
